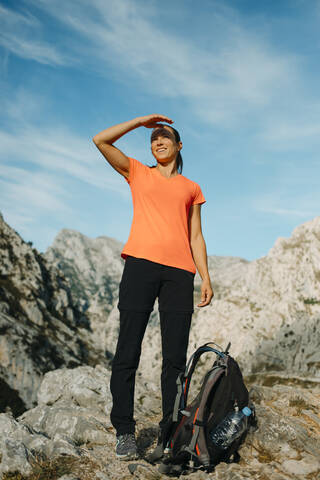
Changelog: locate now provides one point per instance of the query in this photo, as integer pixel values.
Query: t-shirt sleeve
(134, 168)
(198, 196)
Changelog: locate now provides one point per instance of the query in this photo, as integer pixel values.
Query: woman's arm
(105, 139)
(199, 253)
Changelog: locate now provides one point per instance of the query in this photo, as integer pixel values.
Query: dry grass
(299, 403)
(83, 468)
(264, 456)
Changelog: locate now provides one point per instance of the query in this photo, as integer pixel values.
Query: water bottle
(230, 428)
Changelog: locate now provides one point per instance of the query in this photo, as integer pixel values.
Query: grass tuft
(299, 403)
(311, 301)
(55, 468)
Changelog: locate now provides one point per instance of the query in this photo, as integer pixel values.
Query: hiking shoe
(126, 447)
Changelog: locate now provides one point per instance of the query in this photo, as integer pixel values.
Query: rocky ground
(69, 435)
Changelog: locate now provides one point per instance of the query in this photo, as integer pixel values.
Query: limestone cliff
(268, 308)
(41, 329)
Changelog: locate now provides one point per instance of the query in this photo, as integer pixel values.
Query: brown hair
(179, 161)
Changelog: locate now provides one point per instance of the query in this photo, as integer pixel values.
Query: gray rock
(285, 446)
(68, 477)
(82, 386)
(301, 468)
(15, 457)
(82, 425)
(102, 476)
(21, 434)
(61, 444)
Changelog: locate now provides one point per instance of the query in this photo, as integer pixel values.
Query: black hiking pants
(142, 282)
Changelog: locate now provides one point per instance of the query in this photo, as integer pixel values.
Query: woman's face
(163, 144)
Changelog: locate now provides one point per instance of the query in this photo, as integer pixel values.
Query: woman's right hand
(151, 121)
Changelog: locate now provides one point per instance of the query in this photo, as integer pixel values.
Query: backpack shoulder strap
(191, 365)
(184, 379)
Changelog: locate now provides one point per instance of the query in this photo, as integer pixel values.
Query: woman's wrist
(138, 121)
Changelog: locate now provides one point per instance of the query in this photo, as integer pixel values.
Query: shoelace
(127, 438)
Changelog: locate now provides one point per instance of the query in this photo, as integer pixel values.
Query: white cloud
(32, 50)
(62, 152)
(56, 149)
(40, 164)
(29, 199)
(286, 203)
(233, 76)
(15, 218)
(32, 189)
(21, 106)
(289, 212)
(18, 32)
(293, 134)
(12, 18)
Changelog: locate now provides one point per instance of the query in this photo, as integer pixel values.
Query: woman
(164, 248)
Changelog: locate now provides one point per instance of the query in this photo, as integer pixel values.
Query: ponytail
(179, 163)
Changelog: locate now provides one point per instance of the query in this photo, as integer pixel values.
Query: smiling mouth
(161, 150)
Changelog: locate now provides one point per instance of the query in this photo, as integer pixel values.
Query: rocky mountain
(93, 268)
(58, 312)
(41, 328)
(268, 308)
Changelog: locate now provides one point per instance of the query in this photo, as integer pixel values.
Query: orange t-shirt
(159, 230)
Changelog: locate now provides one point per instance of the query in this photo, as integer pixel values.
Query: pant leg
(176, 308)
(124, 366)
(138, 290)
(175, 328)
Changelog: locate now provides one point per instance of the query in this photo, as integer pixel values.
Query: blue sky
(239, 78)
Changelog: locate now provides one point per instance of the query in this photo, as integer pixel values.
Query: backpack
(222, 391)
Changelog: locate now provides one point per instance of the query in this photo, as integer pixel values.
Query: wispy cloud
(13, 19)
(32, 189)
(18, 36)
(222, 82)
(20, 106)
(62, 152)
(289, 212)
(41, 163)
(287, 204)
(52, 148)
(227, 82)
(295, 134)
(238, 79)
(30, 198)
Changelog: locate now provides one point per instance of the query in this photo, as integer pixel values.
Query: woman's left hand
(206, 293)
